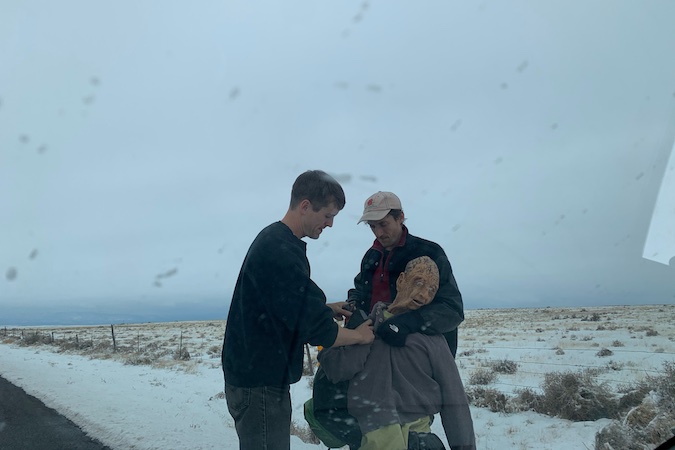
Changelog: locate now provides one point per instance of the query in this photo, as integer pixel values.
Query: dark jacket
(391, 385)
(276, 308)
(446, 311)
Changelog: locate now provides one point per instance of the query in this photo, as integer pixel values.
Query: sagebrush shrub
(505, 366)
(664, 386)
(35, 339)
(615, 436)
(577, 396)
(138, 360)
(604, 352)
(526, 400)
(489, 398)
(215, 350)
(482, 377)
(183, 354)
(632, 395)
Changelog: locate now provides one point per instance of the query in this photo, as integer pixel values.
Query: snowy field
(160, 385)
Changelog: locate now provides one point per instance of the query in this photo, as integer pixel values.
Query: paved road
(27, 424)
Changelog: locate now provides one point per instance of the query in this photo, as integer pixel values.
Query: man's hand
(363, 334)
(395, 330)
(339, 311)
(365, 331)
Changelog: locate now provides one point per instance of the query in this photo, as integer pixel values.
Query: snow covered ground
(144, 396)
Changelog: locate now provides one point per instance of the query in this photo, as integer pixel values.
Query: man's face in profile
(417, 286)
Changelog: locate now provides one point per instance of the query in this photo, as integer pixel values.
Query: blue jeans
(262, 416)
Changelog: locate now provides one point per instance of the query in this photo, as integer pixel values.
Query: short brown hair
(319, 188)
(395, 213)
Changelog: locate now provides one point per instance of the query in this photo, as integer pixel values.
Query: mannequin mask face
(416, 286)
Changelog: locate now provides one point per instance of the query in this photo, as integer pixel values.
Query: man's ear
(305, 205)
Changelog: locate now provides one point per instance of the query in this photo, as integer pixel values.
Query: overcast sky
(143, 145)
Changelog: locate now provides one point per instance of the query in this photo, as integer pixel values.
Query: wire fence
(628, 364)
(182, 342)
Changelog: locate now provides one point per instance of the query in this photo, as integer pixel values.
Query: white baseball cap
(378, 205)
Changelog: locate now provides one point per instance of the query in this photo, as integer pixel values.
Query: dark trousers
(262, 416)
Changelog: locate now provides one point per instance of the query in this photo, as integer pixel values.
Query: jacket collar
(401, 241)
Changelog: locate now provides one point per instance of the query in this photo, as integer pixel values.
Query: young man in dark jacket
(394, 246)
(276, 308)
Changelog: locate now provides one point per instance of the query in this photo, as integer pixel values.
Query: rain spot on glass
(622, 240)
(167, 274)
(456, 227)
(342, 177)
(504, 85)
(554, 126)
(638, 176)
(499, 160)
(24, 139)
(11, 274)
(358, 17)
(234, 93)
(342, 85)
(523, 66)
(371, 178)
(455, 126)
(560, 219)
(94, 81)
(41, 149)
(33, 254)
(374, 88)
(88, 100)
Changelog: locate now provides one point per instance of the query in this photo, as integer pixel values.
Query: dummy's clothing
(399, 385)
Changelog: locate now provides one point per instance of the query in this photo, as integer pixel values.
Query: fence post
(180, 346)
(112, 330)
(309, 360)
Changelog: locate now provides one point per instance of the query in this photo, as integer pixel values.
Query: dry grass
(564, 348)
(161, 345)
(305, 433)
